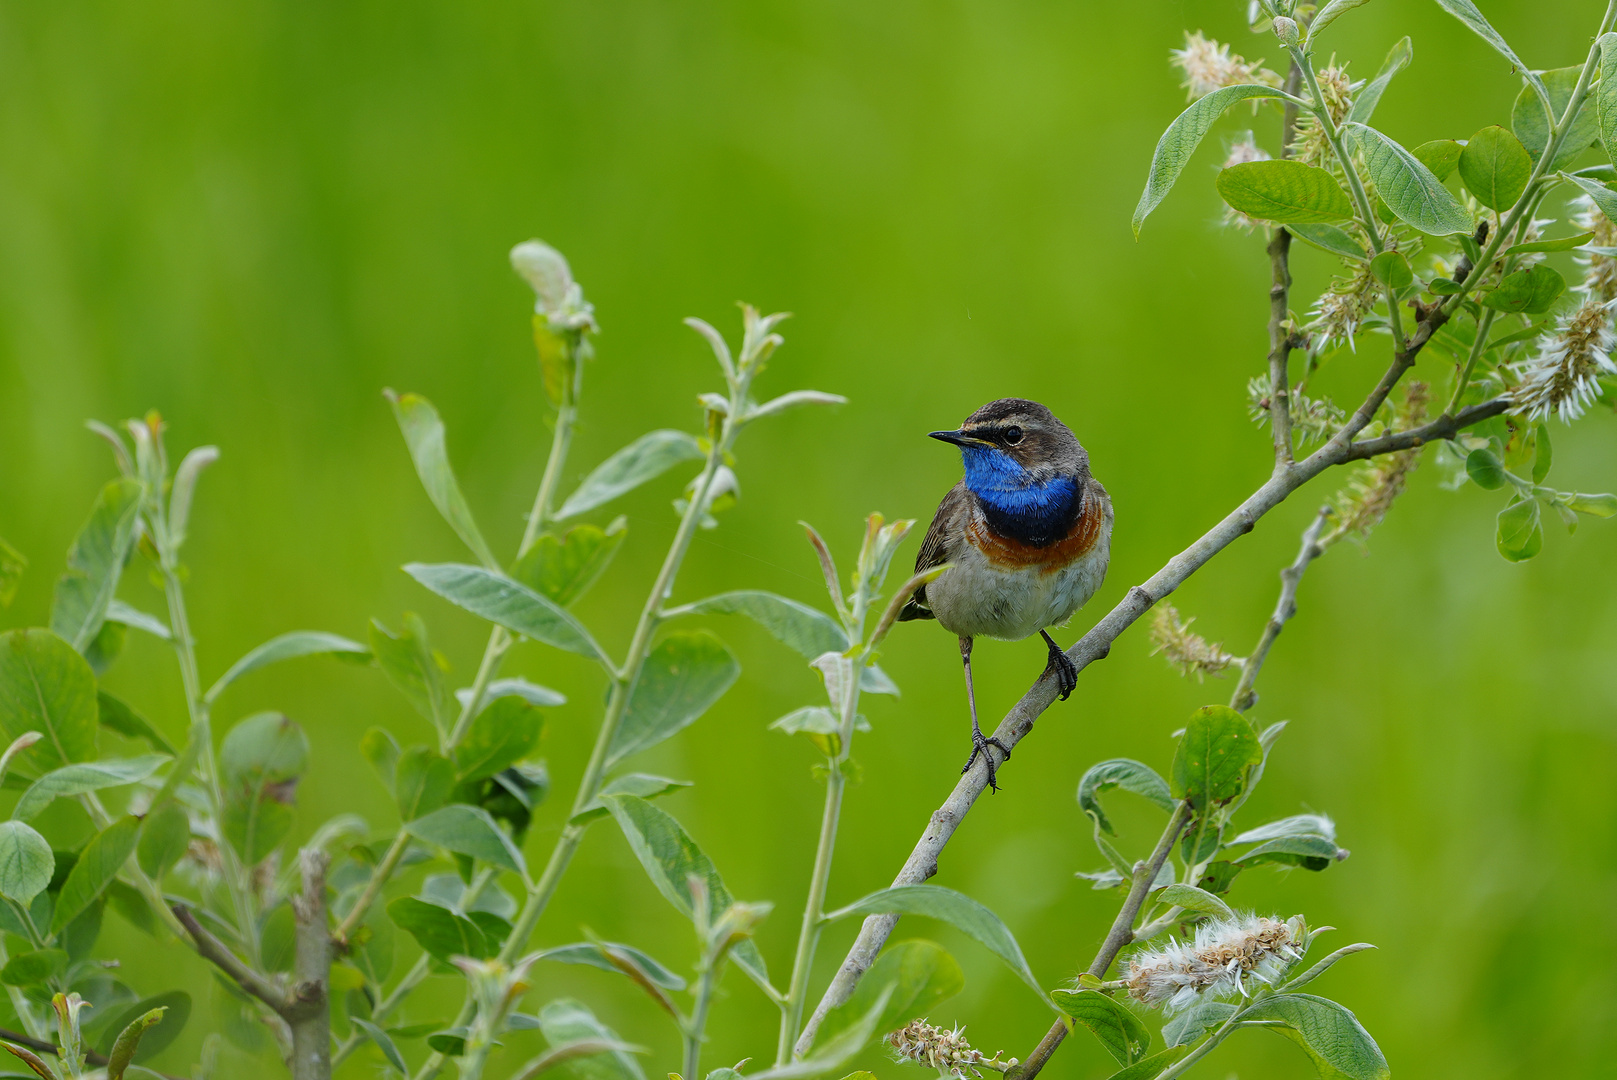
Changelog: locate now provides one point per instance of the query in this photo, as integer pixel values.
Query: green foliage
(470, 831)
(46, 686)
(1532, 126)
(94, 870)
(562, 568)
(1409, 188)
(957, 909)
(1326, 1031)
(1284, 191)
(1495, 167)
(1124, 773)
(260, 762)
(94, 564)
(910, 978)
(424, 434)
(1117, 1029)
(683, 676)
(1181, 139)
(1214, 755)
(510, 604)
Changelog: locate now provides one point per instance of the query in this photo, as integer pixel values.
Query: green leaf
(1543, 454)
(671, 858)
(562, 568)
(423, 782)
(128, 615)
(175, 1006)
(1484, 469)
(1117, 1029)
(500, 735)
(1601, 506)
(1605, 94)
(1521, 335)
(12, 565)
(1328, 238)
(1193, 899)
(127, 1044)
(381, 749)
(1125, 773)
(34, 968)
(46, 686)
(1532, 127)
(26, 862)
(1327, 1032)
(94, 564)
(1467, 12)
(511, 604)
(683, 676)
(1366, 100)
(1533, 290)
(1409, 189)
(593, 954)
(1210, 763)
(384, 1043)
(1310, 852)
(410, 664)
(424, 435)
(649, 456)
(1189, 1025)
(1392, 269)
(1520, 535)
(183, 491)
(1284, 191)
(287, 647)
(1560, 243)
(1441, 156)
(1326, 964)
(807, 631)
(1329, 14)
(97, 865)
(469, 830)
(641, 785)
(80, 778)
(260, 761)
(565, 1021)
(165, 834)
(957, 909)
(1149, 1067)
(1179, 142)
(919, 973)
(1495, 167)
(439, 931)
(534, 694)
(1604, 197)
(116, 715)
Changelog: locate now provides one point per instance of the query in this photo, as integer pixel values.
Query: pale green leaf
(1409, 188)
(1326, 1031)
(682, 677)
(954, 908)
(94, 564)
(1115, 1027)
(48, 687)
(1128, 774)
(79, 778)
(1495, 167)
(566, 1022)
(469, 830)
(647, 457)
(1193, 899)
(1366, 100)
(510, 604)
(26, 862)
(562, 568)
(1210, 763)
(1284, 191)
(424, 435)
(286, 647)
(1532, 127)
(1328, 238)
(96, 867)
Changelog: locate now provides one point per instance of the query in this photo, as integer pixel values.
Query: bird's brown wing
(937, 547)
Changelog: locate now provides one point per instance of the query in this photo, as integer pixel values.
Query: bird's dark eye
(1013, 435)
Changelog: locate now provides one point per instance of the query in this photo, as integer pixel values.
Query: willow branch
(219, 955)
(1279, 295)
(46, 1047)
(1097, 643)
(1245, 696)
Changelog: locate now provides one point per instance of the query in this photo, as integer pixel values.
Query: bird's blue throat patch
(1017, 506)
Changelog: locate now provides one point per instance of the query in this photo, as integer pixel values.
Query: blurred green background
(253, 216)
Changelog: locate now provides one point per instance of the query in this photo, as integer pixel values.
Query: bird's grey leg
(979, 743)
(1066, 671)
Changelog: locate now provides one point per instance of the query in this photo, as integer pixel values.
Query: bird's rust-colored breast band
(1008, 554)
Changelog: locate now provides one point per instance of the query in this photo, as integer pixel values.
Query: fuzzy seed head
(1186, 650)
(1222, 959)
(1209, 66)
(1599, 271)
(1563, 379)
(1312, 419)
(1310, 145)
(1342, 309)
(944, 1049)
(1364, 502)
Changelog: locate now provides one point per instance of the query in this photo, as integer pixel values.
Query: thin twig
(1245, 696)
(1279, 296)
(219, 955)
(1121, 933)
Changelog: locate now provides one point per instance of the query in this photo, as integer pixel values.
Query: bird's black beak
(959, 438)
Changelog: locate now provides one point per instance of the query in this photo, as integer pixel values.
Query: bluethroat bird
(1027, 534)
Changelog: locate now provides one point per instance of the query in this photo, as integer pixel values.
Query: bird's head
(1016, 442)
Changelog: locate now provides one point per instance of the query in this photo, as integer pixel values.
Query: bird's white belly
(976, 598)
